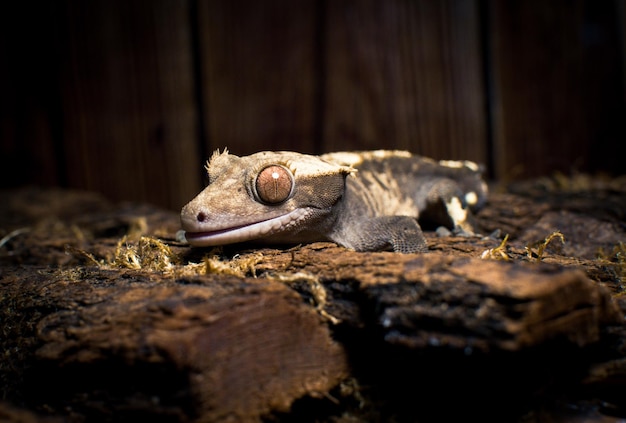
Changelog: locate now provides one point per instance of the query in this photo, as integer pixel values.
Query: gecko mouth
(246, 232)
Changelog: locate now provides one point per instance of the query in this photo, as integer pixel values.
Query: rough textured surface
(104, 316)
(205, 348)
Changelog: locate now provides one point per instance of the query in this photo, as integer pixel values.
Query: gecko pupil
(274, 184)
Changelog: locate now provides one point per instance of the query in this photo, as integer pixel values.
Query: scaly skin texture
(366, 201)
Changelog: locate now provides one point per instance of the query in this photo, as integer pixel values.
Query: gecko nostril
(201, 217)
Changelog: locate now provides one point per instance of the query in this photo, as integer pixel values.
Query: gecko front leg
(401, 234)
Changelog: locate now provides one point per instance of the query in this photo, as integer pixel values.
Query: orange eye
(274, 184)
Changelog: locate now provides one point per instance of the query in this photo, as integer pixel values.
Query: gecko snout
(193, 218)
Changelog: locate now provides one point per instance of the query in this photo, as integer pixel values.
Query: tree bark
(96, 326)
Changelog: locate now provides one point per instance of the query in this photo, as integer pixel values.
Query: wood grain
(129, 117)
(29, 97)
(405, 74)
(556, 73)
(258, 74)
(215, 351)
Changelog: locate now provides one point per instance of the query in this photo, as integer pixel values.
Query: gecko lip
(245, 232)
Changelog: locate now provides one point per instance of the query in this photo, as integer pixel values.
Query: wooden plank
(29, 99)
(405, 74)
(129, 118)
(258, 74)
(556, 66)
(621, 13)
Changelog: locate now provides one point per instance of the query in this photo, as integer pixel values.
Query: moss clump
(146, 254)
(535, 250)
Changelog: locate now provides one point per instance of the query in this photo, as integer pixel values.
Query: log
(208, 349)
(105, 316)
(436, 299)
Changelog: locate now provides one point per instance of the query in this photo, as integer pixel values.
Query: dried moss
(147, 254)
(497, 253)
(535, 250)
(240, 266)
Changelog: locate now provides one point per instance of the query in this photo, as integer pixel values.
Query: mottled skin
(366, 201)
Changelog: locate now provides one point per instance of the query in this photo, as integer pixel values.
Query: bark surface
(104, 316)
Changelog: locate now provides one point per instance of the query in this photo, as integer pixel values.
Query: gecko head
(267, 194)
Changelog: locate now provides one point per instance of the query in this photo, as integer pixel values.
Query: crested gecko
(365, 201)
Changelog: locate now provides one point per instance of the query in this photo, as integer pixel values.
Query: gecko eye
(274, 184)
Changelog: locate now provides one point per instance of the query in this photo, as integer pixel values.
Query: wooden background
(129, 97)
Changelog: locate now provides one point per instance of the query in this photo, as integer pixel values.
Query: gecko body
(366, 201)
